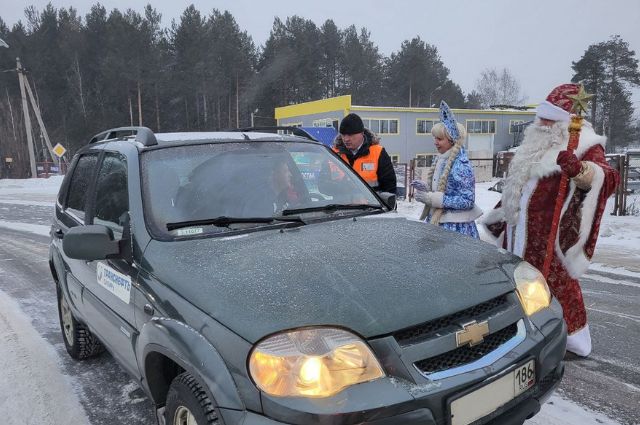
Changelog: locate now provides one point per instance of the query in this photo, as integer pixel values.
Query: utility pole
(237, 103)
(27, 119)
(139, 105)
(36, 109)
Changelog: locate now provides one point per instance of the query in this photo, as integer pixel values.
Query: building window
(515, 126)
(326, 122)
(481, 126)
(395, 158)
(424, 126)
(424, 159)
(382, 126)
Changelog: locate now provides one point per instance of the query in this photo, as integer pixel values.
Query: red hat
(557, 106)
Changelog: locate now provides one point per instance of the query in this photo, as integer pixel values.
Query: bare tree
(499, 88)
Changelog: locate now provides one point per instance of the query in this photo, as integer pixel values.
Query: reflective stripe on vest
(366, 166)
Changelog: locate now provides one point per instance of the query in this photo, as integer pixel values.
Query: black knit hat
(351, 124)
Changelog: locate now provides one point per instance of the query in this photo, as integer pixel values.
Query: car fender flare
(194, 353)
(55, 258)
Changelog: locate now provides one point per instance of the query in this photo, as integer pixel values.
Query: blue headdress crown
(449, 120)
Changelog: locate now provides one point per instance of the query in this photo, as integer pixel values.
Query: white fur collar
(547, 165)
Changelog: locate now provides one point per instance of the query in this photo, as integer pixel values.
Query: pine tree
(417, 77)
(608, 69)
(362, 67)
(330, 42)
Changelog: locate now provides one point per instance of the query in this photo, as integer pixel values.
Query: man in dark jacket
(361, 149)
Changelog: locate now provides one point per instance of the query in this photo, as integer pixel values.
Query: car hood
(373, 275)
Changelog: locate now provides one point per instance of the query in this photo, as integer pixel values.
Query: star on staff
(580, 101)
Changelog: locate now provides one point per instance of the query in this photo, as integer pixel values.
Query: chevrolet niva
(252, 278)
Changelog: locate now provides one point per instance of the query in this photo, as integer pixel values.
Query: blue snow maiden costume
(449, 197)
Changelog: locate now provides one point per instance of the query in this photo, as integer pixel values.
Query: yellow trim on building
(343, 104)
(340, 103)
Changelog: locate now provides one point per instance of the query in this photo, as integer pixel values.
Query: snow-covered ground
(31, 369)
(618, 246)
(46, 395)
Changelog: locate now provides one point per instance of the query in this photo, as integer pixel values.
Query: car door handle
(148, 309)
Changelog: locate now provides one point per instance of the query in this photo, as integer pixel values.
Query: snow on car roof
(215, 135)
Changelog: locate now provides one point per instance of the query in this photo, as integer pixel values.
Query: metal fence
(628, 165)
(402, 180)
(484, 169)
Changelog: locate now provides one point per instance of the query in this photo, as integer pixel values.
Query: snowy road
(103, 389)
(99, 392)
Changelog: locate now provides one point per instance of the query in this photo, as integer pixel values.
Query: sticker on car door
(115, 282)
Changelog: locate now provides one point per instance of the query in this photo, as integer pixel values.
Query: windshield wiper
(224, 221)
(332, 207)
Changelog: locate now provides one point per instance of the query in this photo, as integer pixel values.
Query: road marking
(620, 315)
(38, 229)
(29, 203)
(603, 279)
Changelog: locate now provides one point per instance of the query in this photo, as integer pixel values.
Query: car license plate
(481, 402)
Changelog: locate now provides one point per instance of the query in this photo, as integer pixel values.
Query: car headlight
(315, 362)
(532, 288)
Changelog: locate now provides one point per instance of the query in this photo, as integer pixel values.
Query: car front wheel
(189, 404)
(78, 339)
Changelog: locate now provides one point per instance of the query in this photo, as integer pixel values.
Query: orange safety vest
(366, 166)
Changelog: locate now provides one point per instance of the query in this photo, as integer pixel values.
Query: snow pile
(33, 389)
(30, 191)
(559, 411)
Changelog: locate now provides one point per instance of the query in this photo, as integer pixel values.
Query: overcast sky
(536, 40)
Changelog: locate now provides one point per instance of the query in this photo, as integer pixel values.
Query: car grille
(464, 355)
(426, 330)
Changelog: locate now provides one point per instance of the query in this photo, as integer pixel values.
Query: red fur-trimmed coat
(579, 223)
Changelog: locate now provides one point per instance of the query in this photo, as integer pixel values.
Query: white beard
(538, 139)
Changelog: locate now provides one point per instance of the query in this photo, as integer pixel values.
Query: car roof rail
(144, 135)
(296, 131)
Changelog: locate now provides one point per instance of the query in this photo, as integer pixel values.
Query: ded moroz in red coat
(521, 222)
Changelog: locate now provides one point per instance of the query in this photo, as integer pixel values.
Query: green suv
(252, 278)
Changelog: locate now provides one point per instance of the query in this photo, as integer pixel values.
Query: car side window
(79, 185)
(112, 196)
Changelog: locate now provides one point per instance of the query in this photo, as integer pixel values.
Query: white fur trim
(575, 260)
(461, 216)
(549, 111)
(548, 166)
(579, 342)
(494, 216)
(437, 199)
(522, 227)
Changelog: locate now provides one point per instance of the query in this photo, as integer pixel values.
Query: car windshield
(194, 189)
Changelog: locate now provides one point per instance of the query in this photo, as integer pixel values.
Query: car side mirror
(93, 242)
(389, 199)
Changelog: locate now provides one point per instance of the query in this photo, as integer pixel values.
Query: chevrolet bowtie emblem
(473, 333)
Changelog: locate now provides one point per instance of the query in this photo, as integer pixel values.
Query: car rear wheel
(78, 339)
(189, 404)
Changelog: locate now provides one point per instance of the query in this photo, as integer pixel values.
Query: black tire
(186, 396)
(78, 339)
